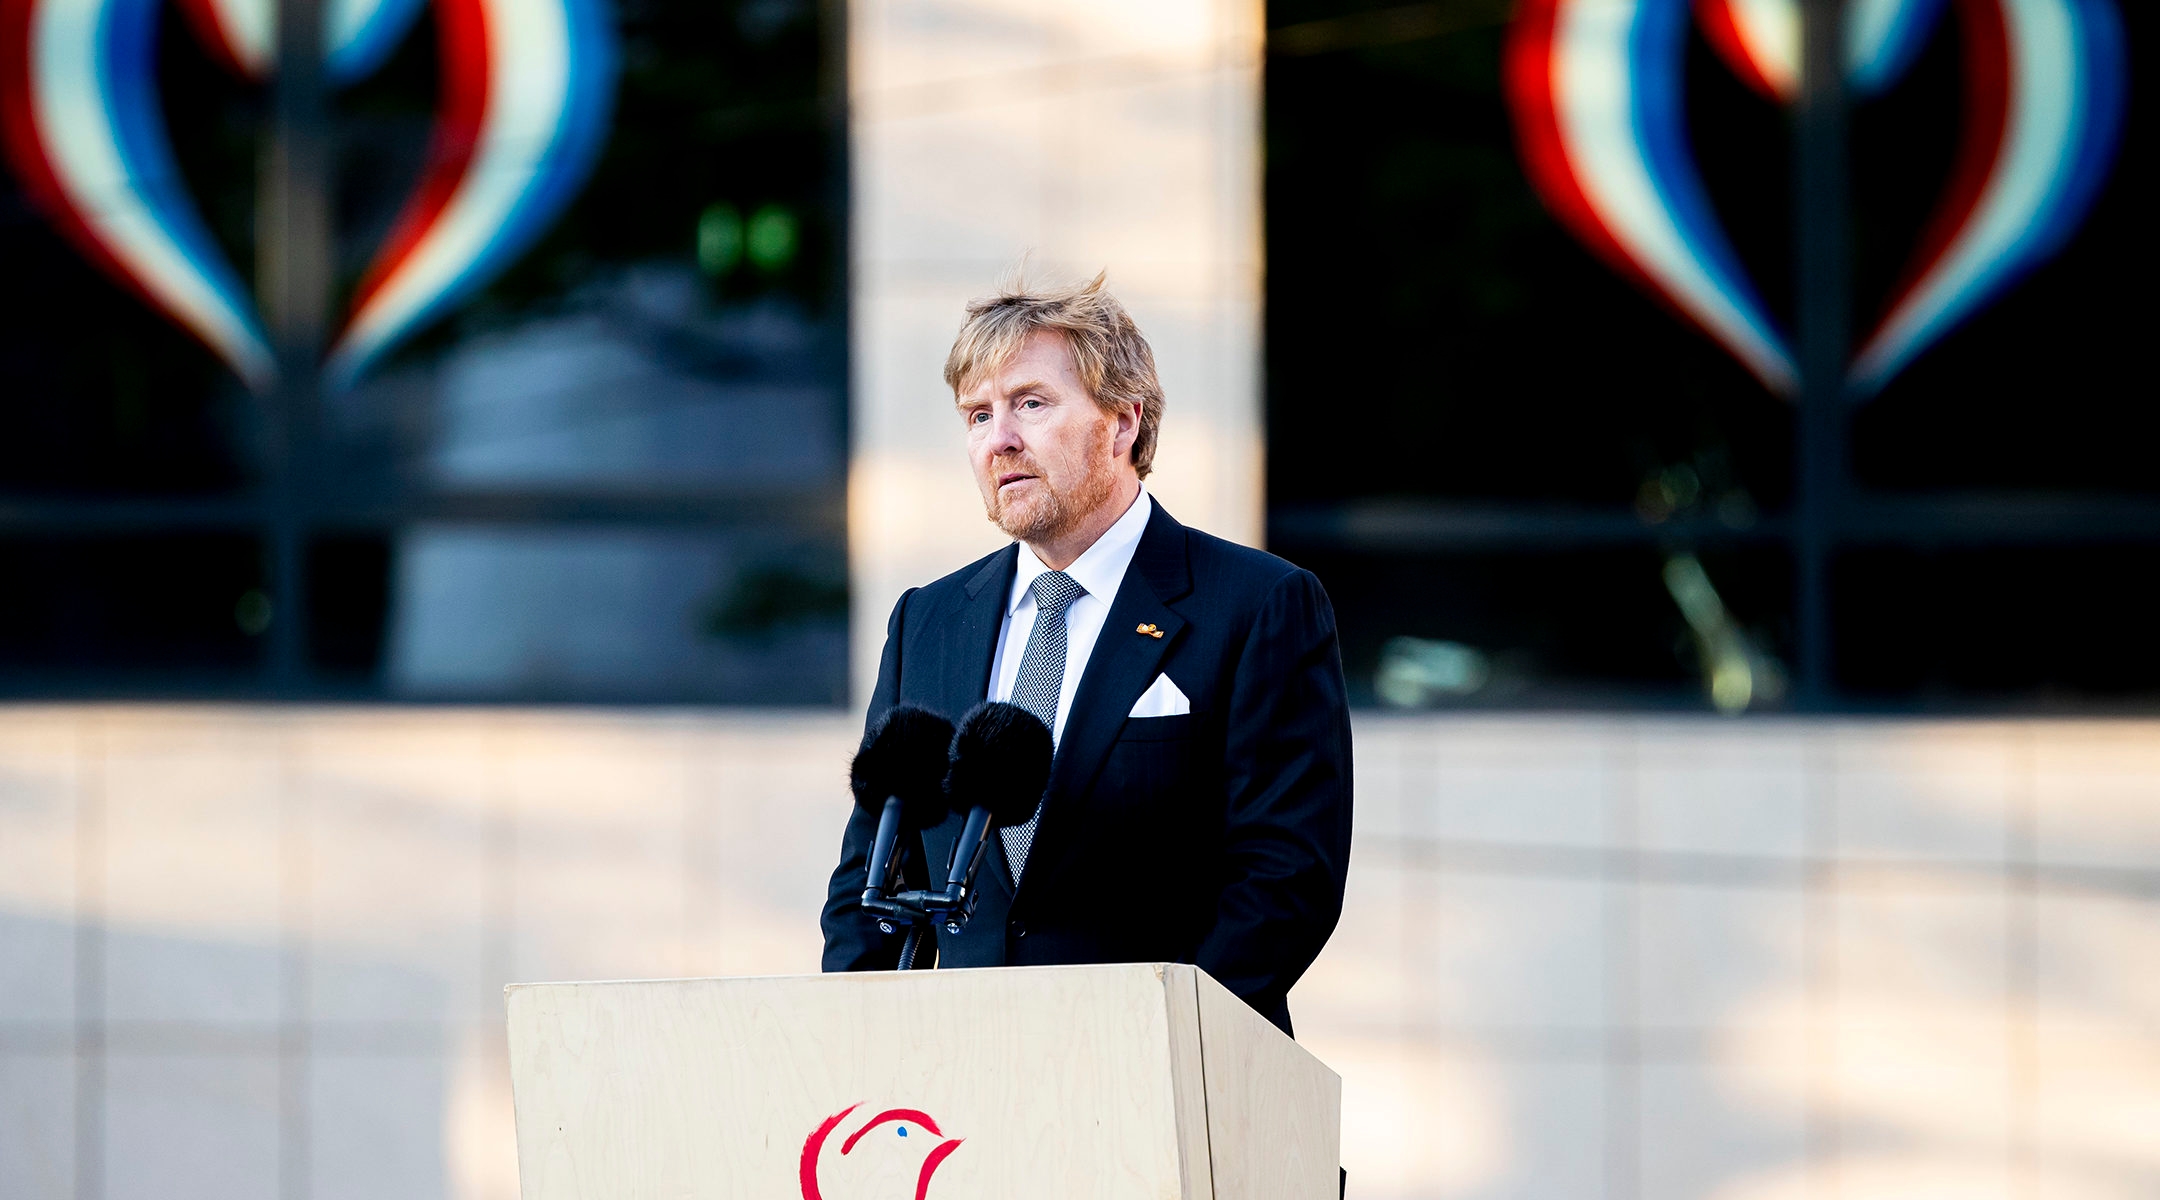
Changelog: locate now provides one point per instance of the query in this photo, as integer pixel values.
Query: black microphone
(899, 774)
(1000, 766)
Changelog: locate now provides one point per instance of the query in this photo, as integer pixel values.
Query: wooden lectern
(1140, 1082)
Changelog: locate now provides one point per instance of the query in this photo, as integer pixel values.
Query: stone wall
(1115, 134)
(257, 953)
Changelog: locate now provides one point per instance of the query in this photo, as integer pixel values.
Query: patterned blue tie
(1041, 681)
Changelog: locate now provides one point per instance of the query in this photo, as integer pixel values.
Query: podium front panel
(1046, 1082)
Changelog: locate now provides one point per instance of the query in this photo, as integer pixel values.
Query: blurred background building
(1718, 429)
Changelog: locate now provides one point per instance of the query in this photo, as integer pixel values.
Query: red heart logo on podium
(527, 87)
(901, 1119)
(1595, 88)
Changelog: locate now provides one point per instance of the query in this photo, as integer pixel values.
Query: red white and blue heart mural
(1595, 87)
(526, 92)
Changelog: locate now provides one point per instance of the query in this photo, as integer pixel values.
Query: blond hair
(1109, 354)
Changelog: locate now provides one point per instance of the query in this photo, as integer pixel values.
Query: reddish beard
(1052, 511)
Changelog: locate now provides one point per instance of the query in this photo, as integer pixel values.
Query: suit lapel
(1122, 665)
(964, 677)
(964, 661)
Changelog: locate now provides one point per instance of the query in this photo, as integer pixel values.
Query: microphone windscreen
(904, 755)
(1001, 761)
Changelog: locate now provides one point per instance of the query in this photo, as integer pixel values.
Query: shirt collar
(1100, 568)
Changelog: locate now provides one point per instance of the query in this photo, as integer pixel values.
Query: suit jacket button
(1018, 927)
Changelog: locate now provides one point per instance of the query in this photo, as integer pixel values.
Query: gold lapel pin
(1149, 630)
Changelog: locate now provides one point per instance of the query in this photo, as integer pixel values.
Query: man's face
(1045, 454)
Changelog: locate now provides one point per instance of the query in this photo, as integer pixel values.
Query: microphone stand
(949, 907)
(910, 946)
(904, 908)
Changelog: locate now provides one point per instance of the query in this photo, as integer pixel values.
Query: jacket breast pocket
(1158, 729)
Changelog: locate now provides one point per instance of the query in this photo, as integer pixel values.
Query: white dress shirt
(1099, 569)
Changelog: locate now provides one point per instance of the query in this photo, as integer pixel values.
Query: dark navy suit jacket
(1219, 838)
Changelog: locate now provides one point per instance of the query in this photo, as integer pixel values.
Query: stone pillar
(1104, 134)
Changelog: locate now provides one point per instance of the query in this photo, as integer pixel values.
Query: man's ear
(1128, 430)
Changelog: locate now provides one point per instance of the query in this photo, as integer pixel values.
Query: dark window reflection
(614, 474)
(1525, 482)
(2026, 628)
(151, 610)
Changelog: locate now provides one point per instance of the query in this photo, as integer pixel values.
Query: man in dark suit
(1199, 802)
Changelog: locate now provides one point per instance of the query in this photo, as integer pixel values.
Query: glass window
(1560, 411)
(566, 418)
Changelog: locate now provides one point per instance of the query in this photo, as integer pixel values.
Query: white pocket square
(1162, 699)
